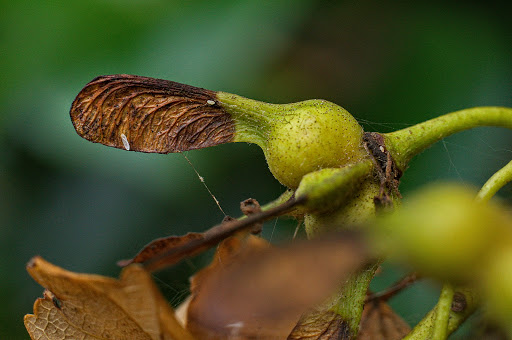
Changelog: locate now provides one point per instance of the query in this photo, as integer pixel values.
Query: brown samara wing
(150, 115)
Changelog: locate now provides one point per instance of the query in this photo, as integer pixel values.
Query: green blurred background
(84, 206)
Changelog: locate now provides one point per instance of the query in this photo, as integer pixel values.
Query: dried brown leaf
(83, 306)
(320, 325)
(231, 250)
(150, 115)
(254, 291)
(164, 244)
(379, 321)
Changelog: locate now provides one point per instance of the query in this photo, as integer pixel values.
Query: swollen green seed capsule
(154, 115)
(297, 138)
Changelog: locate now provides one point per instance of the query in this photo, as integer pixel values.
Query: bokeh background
(84, 206)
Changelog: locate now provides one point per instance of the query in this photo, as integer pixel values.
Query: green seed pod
(327, 189)
(338, 197)
(356, 210)
(297, 138)
(154, 115)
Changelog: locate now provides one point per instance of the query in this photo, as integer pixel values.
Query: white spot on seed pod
(210, 102)
(381, 148)
(125, 141)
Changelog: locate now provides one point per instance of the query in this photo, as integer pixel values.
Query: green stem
(406, 143)
(330, 188)
(328, 193)
(444, 305)
(252, 118)
(285, 196)
(495, 183)
(350, 301)
(425, 328)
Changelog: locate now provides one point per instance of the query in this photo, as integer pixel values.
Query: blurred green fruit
(497, 287)
(443, 232)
